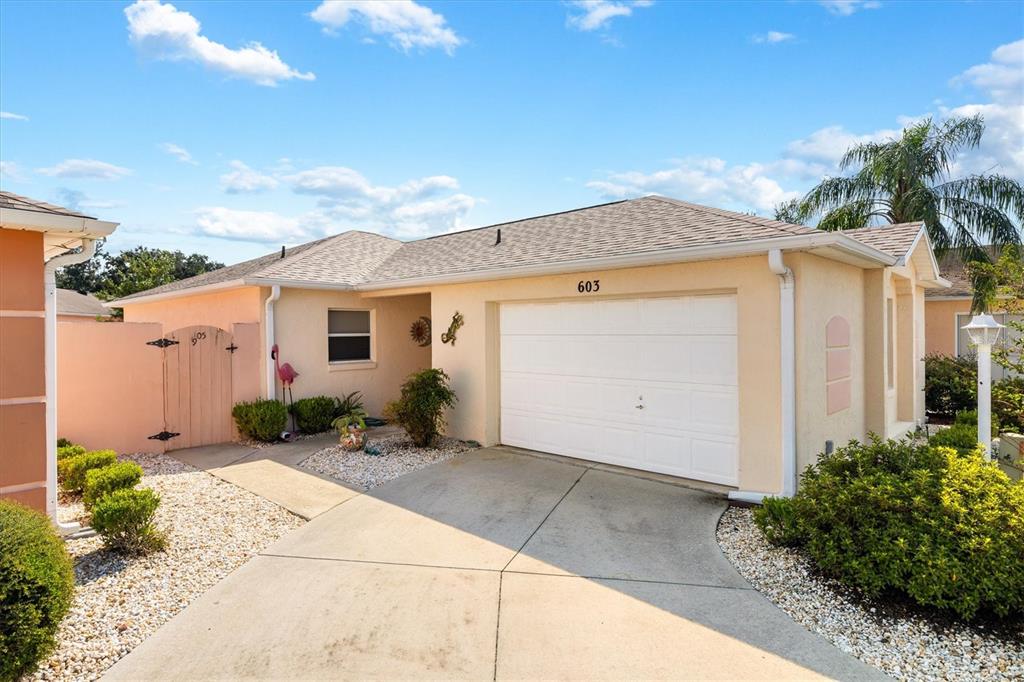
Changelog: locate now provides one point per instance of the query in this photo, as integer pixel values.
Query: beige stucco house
(35, 238)
(651, 333)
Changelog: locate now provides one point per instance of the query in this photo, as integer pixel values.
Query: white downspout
(50, 355)
(268, 330)
(787, 394)
(787, 321)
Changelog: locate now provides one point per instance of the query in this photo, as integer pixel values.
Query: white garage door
(642, 383)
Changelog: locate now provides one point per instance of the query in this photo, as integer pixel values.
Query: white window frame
(370, 335)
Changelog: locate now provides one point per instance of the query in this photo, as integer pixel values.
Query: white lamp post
(984, 332)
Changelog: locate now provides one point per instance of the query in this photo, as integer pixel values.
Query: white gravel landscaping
(397, 456)
(891, 637)
(212, 527)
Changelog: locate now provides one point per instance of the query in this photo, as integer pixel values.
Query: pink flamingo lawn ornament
(286, 373)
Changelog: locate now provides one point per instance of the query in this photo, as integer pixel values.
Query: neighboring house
(33, 237)
(73, 306)
(651, 333)
(948, 310)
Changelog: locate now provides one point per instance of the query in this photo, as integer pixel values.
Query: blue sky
(233, 128)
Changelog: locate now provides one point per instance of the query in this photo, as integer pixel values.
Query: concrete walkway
(273, 473)
(494, 565)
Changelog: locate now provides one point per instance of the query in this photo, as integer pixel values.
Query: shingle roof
(952, 266)
(626, 227)
(70, 302)
(637, 226)
(16, 201)
(339, 259)
(895, 240)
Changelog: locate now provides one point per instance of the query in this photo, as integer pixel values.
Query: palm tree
(908, 179)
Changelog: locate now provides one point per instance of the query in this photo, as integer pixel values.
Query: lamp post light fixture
(984, 332)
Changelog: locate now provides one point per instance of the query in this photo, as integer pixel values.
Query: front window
(348, 335)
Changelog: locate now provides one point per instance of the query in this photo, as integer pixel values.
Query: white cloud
(414, 208)
(591, 15)
(1003, 77)
(9, 116)
(773, 37)
(87, 169)
(255, 226)
(77, 200)
(706, 180)
(10, 170)
(407, 24)
(245, 180)
(845, 8)
(180, 153)
(830, 143)
(173, 34)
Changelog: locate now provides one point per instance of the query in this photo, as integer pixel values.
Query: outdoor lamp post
(984, 332)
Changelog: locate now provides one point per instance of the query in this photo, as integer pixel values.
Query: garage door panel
(573, 374)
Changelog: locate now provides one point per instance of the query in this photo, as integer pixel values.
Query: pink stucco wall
(110, 385)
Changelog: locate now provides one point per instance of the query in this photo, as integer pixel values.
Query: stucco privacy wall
(940, 325)
(22, 369)
(218, 309)
(111, 386)
(472, 362)
(824, 289)
(301, 334)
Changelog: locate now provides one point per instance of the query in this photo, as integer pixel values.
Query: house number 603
(587, 286)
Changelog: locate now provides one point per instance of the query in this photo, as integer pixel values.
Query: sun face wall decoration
(420, 331)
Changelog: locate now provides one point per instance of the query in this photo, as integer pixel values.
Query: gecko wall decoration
(449, 336)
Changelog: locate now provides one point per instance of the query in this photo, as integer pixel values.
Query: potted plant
(352, 430)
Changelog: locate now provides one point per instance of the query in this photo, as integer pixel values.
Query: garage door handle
(639, 407)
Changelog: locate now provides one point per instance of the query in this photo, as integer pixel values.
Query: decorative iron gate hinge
(164, 435)
(162, 343)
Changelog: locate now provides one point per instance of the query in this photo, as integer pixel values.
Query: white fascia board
(71, 226)
(296, 284)
(713, 252)
(957, 297)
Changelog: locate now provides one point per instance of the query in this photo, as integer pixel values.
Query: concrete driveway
(495, 565)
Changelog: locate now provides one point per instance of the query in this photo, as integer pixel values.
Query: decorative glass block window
(348, 335)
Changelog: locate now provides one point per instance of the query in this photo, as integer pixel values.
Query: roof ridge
(523, 220)
(317, 246)
(753, 220)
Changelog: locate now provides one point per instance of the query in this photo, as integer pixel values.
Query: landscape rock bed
(212, 527)
(892, 637)
(397, 456)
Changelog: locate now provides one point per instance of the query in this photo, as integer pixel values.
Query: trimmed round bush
(37, 586)
(125, 520)
(420, 409)
(105, 480)
(777, 520)
(71, 470)
(960, 437)
(70, 450)
(261, 420)
(944, 528)
(314, 415)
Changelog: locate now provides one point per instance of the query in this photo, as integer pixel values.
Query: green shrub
(262, 420)
(65, 451)
(420, 409)
(103, 481)
(1008, 404)
(350, 405)
(71, 470)
(63, 443)
(37, 585)
(944, 528)
(776, 518)
(125, 520)
(950, 384)
(961, 437)
(314, 415)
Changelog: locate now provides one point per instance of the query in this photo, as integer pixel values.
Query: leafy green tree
(1000, 286)
(908, 179)
(113, 276)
